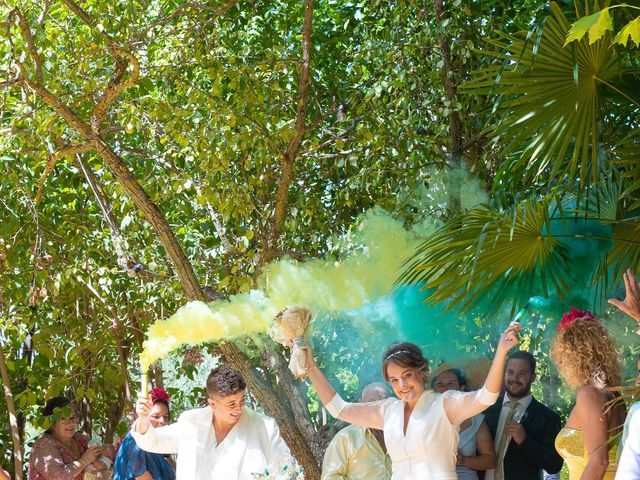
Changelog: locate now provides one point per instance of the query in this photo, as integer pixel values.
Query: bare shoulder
(590, 395)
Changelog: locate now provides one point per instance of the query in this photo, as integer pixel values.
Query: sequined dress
(570, 445)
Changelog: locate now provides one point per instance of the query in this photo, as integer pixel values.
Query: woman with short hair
(224, 440)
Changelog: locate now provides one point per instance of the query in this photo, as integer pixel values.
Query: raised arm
(368, 415)
(631, 303)
(163, 440)
(460, 406)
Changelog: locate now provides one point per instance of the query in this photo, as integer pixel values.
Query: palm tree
(565, 121)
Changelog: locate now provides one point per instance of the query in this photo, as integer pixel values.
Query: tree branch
(107, 212)
(117, 83)
(86, 19)
(303, 85)
(217, 11)
(455, 124)
(289, 157)
(215, 218)
(9, 83)
(51, 163)
(123, 58)
(13, 419)
(31, 46)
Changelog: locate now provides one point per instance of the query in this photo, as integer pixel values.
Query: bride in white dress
(420, 426)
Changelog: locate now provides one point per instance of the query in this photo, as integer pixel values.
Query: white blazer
(253, 444)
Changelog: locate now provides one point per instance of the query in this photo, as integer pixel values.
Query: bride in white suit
(420, 427)
(225, 440)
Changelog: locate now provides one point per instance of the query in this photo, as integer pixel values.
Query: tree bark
(291, 152)
(13, 418)
(456, 145)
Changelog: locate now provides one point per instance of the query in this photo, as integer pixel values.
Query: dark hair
(53, 403)
(406, 355)
(162, 401)
(462, 378)
(523, 355)
(225, 381)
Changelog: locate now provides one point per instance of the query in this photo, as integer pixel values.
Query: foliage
(204, 130)
(599, 23)
(557, 118)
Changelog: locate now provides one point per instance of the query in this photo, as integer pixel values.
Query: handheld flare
(519, 315)
(144, 383)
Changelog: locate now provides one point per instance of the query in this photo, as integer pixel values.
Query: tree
(570, 155)
(157, 151)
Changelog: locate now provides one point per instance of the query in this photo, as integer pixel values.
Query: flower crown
(569, 318)
(159, 394)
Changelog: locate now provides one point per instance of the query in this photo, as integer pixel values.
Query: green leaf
(597, 25)
(631, 29)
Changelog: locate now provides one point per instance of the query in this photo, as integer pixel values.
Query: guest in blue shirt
(133, 463)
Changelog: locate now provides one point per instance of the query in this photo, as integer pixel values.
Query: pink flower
(159, 394)
(572, 316)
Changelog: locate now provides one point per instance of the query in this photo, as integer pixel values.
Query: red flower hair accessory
(569, 318)
(159, 394)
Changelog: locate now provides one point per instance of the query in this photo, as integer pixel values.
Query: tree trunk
(263, 391)
(13, 419)
(291, 389)
(456, 146)
(113, 417)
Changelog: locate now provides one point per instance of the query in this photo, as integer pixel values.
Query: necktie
(502, 443)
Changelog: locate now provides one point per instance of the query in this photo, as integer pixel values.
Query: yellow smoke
(370, 257)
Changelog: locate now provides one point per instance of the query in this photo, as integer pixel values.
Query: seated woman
(225, 440)
(420, 427)
(588, 361)
(61, 453)
(133, 463)
(475, 449)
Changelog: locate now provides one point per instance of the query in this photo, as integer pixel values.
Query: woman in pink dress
(61, 453)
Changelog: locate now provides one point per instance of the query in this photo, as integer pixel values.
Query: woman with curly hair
(588, 361)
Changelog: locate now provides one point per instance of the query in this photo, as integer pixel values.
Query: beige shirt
(355, 454)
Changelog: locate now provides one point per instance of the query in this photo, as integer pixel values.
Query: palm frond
(551, 102)
(627, 158)
(483, 253)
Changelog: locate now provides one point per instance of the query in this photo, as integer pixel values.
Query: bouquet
(285, 471)
(288, 329)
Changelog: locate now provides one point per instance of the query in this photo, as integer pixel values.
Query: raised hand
(143, 409)
(631, 303)
(309, 360)
(143, 406)
(510, 338)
